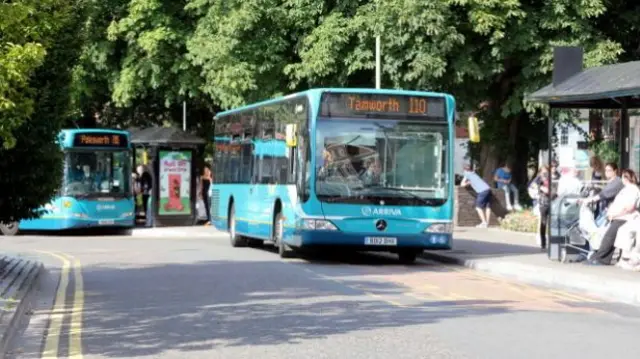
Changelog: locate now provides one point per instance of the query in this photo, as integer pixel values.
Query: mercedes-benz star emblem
(381, 225)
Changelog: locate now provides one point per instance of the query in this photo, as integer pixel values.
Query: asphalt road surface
(170, 297)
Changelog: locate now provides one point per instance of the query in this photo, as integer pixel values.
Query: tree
(38, 44)
(481, 51)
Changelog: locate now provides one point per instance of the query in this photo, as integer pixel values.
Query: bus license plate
(105, 222)
(380, 241)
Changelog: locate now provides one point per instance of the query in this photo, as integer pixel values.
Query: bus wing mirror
(474, 130)
(291, 135)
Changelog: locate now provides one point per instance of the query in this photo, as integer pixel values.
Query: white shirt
(569, 184)
(627, 197)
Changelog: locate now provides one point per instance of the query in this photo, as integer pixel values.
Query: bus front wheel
(407, 256)
(10, 229)
(235, 238)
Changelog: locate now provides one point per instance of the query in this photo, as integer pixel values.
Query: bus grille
(215, 202)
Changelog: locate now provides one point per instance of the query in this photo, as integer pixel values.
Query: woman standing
(539, 188)
(205, 184)
(597, 169)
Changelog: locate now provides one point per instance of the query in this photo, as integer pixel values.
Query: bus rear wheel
(407, 256)
(235, 238)
(10, 229)
(278, 233)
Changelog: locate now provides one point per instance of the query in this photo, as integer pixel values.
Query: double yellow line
(60, 310)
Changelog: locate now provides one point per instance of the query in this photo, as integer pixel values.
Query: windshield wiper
(401, 190)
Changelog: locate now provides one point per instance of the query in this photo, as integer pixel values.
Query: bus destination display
(374, 105)
(100, 140)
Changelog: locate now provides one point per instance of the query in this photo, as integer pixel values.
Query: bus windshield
(97, 173)
(401, 162)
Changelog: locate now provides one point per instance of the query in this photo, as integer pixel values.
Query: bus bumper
(75, 223)
(359, 241)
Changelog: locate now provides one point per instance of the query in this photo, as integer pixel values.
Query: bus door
(259, 206)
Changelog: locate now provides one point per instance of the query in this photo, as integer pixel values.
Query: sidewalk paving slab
(18, 277)
(516, 256)
(181, 232)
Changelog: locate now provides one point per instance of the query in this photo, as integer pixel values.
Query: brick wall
(465, 215)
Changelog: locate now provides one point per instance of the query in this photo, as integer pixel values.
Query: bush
(524, 221)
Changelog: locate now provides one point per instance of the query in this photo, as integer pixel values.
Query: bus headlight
(440, 228)
(127, 214)
(318, 224)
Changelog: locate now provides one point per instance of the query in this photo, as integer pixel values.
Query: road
(171, 297)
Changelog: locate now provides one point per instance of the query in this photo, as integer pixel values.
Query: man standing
(483, 192)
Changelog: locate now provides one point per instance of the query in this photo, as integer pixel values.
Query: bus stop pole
(184, 116)
(377, 62)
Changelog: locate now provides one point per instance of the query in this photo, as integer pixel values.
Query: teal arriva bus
(357, 169)
(96, 186)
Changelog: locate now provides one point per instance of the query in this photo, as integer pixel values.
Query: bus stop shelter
(172, 160)
(606, 87)
(614, 86)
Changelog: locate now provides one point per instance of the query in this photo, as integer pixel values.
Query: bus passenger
(372, 175)
(327, 168)
(145, 182)
(205, 183)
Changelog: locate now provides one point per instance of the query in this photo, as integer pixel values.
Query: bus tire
(234, 237)
(10, 229)
(407, 256)
(278, 232)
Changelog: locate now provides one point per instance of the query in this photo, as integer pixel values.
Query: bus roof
(74, 131)
(317, 91)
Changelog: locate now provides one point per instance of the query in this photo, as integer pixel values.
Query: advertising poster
(175, 183)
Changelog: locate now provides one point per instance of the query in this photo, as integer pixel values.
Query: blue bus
(357, 169)
(96, 186)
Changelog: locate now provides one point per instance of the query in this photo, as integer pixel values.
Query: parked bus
(96, 186)
(360, 169)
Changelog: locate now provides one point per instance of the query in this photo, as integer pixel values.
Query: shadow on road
(189, 307)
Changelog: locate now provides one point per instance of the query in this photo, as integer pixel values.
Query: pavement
(516, 256)
(171, 297)
(18, 277)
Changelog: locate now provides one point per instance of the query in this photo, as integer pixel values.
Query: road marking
(52, 343)
(524, 287)
(75, 335)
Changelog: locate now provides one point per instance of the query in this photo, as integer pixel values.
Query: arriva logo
(105, 207)
(371, 211)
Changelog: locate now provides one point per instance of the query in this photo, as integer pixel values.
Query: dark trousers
(604, 254)
(544, 219)
(145, 204)
(207, 209)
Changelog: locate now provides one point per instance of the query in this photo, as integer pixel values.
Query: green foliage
(38, 46)
(607, 151)
(524, 221)
(140, 59)
(21, 54)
